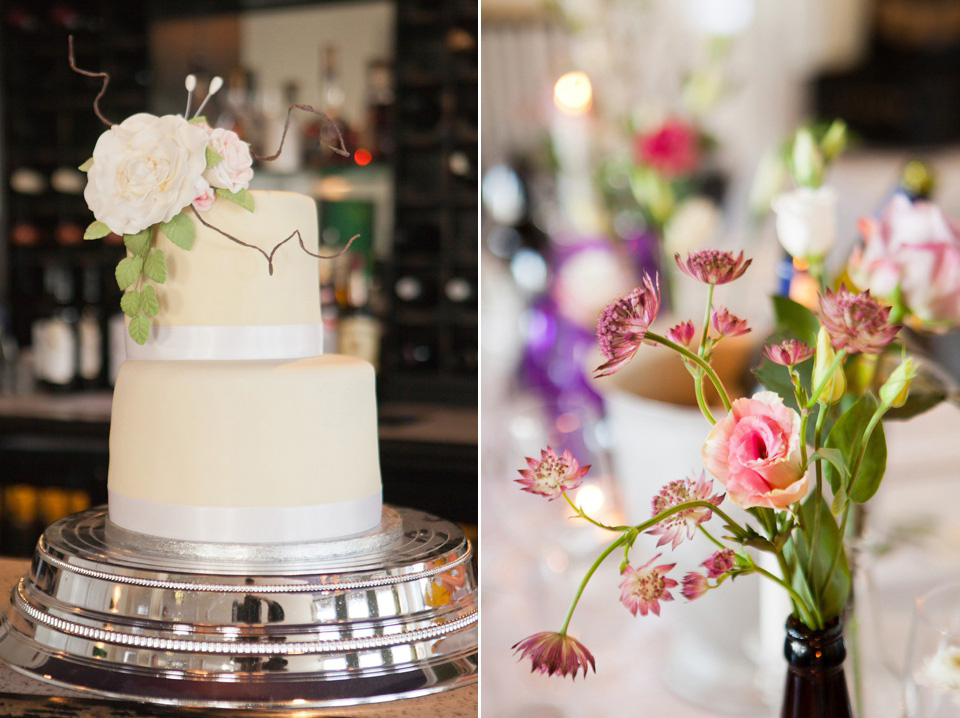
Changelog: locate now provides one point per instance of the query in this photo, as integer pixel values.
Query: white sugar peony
(146, 170)
(235, 171)
(807, 221)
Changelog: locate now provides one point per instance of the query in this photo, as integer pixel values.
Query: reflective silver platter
(373, 617)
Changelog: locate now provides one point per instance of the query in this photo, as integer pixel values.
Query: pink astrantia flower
(624, 323)
(551, 652)
(915, 248)
(643, 588)
(552, 474)
(673, 148)
(682, 333)
(712, 266)
(727, 324)
(719, 562)
(684, 523)
(694, 586)
(755, 452)
(789, 352)
(856, 321)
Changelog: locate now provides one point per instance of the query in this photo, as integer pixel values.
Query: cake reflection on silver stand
(387, 614)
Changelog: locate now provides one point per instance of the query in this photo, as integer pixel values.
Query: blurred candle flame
(573, 93)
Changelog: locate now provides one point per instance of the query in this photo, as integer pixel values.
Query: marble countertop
(23, 696)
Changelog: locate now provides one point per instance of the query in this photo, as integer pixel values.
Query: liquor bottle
(54, 333)
(359, 334)
(329, 308)
(89, 329)
(378, 133)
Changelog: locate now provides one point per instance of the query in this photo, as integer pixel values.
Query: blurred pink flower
(551, 652)
(552, 474)
(915, 247)
(719, 563)
(672, 149)
(683, 523)
(789, 352)
(755, 452)
(624, 322)
(727, 324)
(856, 321)
(694, 585)
(682, 334)
(713, 266)
(643, 588)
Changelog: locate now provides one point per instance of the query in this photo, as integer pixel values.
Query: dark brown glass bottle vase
(816, 685)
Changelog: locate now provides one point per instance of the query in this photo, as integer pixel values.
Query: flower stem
(815, 535)
(701, 350)
(807, 617)
(699, 361)
(709, 536)
(583, 584)
(582, 514)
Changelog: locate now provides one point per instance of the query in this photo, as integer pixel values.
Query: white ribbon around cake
(226, 343)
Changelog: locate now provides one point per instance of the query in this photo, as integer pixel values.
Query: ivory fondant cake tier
(245, 451)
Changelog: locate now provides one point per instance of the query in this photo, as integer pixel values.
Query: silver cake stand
(388, 614)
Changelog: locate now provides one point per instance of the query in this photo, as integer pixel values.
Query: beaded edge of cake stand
(421, 644)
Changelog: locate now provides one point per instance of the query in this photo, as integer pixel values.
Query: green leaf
(213, 157)
(840, 500)
(130, 303)
(140, 328)
(836, 459)
(85, 167)
(241, 197)
(796, 320)
(137, 243)
(180, 230)
(149, 303)
(198, 119)
(128, 271)
(96, 230)
(823, 548)
(847, 437)
(156, 266)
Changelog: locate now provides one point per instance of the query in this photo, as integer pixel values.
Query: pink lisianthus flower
(856, 321)
(755, 452)
(672, 149)
(552, 474)
(624, 322)
(682, 333)
(915, 248)
(789, 352)
(719, 562)
(694, 586)
(727, 324)
(551, 652)
(643, 588)
(712, 266)
(684, 523)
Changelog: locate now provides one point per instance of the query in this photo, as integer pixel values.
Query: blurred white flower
(807, 221)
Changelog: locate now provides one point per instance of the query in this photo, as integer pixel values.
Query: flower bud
(837, 383)
(895, 389)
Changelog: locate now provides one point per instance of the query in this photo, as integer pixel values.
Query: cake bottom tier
(245, 451)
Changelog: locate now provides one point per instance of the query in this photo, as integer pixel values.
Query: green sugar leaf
(85, 167)
(241, 197)
(128, 271)
(156, 266)
(180, 230)
(198, 119)
(213, 157)
(137, 243)
(140, 328)
(96, 230)
(130, 303)
(149, 303)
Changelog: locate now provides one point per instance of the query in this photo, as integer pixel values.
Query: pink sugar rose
(235, 170)
(204, 201)
(755, 452)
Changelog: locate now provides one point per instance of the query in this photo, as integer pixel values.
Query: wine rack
(430, 348)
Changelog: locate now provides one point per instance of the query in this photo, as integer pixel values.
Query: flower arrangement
(796, 456)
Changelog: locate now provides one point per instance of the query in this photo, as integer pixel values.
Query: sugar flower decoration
(713, 266)
(146, 170)
(624, 323)
(856, 321)
(552, 652)
(683, 524)
(643, 588)
(552, 474)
